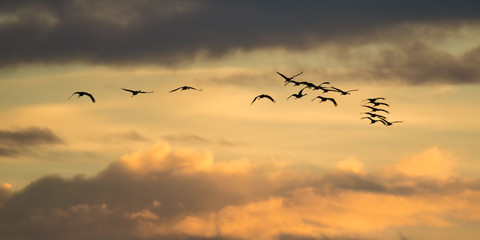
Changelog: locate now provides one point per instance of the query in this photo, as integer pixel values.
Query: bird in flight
(387, 123)
(185, 88)
(83, 93)
(323, 99)
(262, 96)
(343, 92)
(372, 121)
(373, 100)
(135, 92)
(299, 94)
(374, 109)
(375, 115)
(289, 79)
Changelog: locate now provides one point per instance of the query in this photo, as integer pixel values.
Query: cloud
(162, 193)
(172, 32)
(22, 141)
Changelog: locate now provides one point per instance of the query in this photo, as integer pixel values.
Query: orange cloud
(161, 193)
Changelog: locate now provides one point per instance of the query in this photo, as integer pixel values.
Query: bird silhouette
(375, 115)
(83, 93)
(289, 79)
(387, 123)
(374, 109)
(373, 100)
(135, 92)
(343, 92)
(298, 95)
(262, 96)
(376, 104)
(372, 121)
(295, 83)
(185, 88)
(324, 89)
(323, 99)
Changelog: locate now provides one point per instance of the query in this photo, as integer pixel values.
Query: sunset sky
(209, 165)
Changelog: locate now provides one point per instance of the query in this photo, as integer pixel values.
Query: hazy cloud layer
(169, 32)
(19, 141)
(160, 193)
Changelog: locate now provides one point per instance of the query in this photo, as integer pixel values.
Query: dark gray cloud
(21, 141)
(169, 32)
(29, 136)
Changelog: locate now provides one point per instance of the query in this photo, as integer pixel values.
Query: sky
(212, 165)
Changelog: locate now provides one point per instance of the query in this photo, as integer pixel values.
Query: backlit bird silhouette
(262, 96)
(374, 109)
(324, 89)
(135, 92)
(298, 95)
(373, 100)
(289, 79)
(372, 121)
(343, 92)
(376, 104)
(323, 99)
(387, 123)
(83, 93)
(185, 88)
(375, 115)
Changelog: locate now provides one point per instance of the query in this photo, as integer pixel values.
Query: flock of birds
(325, 87)
(373, 116)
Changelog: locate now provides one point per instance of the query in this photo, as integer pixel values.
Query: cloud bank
(160, 193)
(172, 32)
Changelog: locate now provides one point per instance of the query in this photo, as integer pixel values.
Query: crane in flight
(289, 79)
(387, 123)
(82, 94)
(135, 92)
(298, 95)
(372, 121)
(375, 115)
(262, 96)
(185, 88)
(343, 92)
(374, 109)
(323, 99)
(373, 100)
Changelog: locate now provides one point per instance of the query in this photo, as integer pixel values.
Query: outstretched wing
(198, 89)
(73, 94)
(297, 74)
(352, 90)
(255, 99)
(145, 92)
(333, 101)
(91, 97)
(267, 96)
(286, 78)
(128, 90)
(176, 89)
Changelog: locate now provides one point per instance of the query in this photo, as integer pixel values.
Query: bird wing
(128, 90)
(176, 89)
(267, 96)
(145, 92)
(286, 78)
(255, 99)
(297, 74)
(91, 97)
(333, 101)
(73, 94)
(352, 90)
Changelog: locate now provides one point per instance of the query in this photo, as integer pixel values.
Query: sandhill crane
(298, 95)
(343, 92)
(295, 83)
(375, 115)
(376, 104)
(262, 96)
(372, 121)
(135, 92)
(387, 123)
(83, 93)
(374, 109)
(324, 89)
(373, 100)
(185, 88)
(289, 79)
(323, 99)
